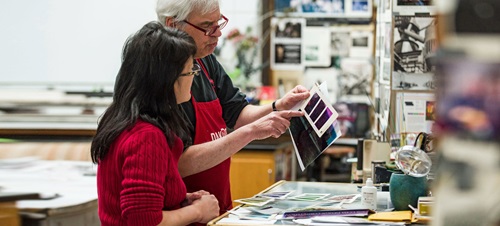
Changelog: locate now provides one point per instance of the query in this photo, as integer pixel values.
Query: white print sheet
(314, 132)
(416, 111)
(318, 111)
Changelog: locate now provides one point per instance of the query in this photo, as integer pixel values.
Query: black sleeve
(231, 98)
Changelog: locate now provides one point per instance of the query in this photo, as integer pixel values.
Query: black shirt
(231, 99)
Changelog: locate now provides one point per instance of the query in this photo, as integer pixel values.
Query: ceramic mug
(404, 190)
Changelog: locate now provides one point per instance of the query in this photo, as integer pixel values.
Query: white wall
(65, 41)
(241, 14)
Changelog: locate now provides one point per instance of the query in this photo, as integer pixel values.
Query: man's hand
(274, 124)
(293, 97)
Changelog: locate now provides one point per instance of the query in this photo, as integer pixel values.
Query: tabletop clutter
(324, 208)
(406, 200)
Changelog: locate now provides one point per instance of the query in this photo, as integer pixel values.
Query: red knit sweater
(138, 178)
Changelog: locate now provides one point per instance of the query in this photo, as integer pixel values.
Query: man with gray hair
(217, 105)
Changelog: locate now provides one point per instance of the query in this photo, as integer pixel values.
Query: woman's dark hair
(152, 60)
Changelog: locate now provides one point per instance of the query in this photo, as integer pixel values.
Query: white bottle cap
(369, 182)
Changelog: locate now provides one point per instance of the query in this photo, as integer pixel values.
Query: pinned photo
(413, 2)
(340, 45)
(411, 7)
(287, 50)
(361, 44)
(415, 43)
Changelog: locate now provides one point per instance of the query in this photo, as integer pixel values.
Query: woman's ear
(170, 22)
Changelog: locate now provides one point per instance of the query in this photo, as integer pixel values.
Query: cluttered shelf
(49, 112)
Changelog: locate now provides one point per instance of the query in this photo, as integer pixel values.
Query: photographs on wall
(356, 76)
(407, 81)
(379, 50)
(361, 44)
(324, 8)
(414, 43)
(377, 66)
(286, 43)
(328, 76)
(413, 112)
(378, 40)
(384, 71)
(414, 2)
(384, 52)
(317, 49)
(385, 76)
(286, 80)
(414, 52)
(410, 7)
(287, 55)
(387, 44)
(340, 42)
(318, 8)
(352, 41)
(288, 28)
(385, 105)
(359, 8)
(384, 10)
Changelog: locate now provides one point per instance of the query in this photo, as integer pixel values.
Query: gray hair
(180, 9)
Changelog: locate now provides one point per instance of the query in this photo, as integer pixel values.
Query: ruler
(340, 213)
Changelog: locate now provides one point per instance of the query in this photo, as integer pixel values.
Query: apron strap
(206, 73)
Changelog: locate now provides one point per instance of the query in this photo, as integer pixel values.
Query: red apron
(210, 126)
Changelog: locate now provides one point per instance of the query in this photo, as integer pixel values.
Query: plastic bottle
(369, 195)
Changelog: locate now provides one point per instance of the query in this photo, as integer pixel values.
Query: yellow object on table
(394, 216)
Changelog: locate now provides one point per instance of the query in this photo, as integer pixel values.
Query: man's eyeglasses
(210, 31)
(196, 71)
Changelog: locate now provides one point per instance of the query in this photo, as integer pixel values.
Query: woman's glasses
(210, 31)
(195, 71)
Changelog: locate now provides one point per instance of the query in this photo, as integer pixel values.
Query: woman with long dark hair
(140, 137)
